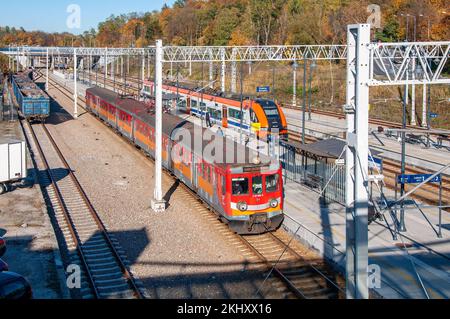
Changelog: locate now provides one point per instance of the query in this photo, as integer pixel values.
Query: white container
(13, 161)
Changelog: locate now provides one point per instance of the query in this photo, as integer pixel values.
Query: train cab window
(253, 117)
(257, 185)
(240, 186)
(272, 183)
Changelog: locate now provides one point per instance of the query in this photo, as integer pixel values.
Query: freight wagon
(34, 103)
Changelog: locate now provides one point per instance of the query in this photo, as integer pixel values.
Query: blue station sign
(434, 115)
(263, 89)
(417, 179)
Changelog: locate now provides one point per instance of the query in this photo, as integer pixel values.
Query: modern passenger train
(261, 116)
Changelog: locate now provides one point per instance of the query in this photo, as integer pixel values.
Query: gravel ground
(179, 254)
(32, 249)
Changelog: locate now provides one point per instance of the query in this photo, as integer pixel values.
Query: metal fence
(313, 173)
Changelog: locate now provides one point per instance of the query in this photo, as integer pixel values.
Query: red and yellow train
(243, 187)
(264, 117)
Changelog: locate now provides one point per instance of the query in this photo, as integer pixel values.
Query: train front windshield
(255, 185)
(270, 108)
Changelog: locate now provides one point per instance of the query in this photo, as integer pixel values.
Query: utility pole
(158, 204)
(242, 104)
(311, 68)
(357, 163)
(46, 72)
(106, 67)
(304, 102)
(294, 86)
(413, 93)
(75, 88)
(424, 107)
(224, 67)
(402, 226)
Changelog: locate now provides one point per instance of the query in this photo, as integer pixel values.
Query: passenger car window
(272, 183)
(240, 186)
(257, 185)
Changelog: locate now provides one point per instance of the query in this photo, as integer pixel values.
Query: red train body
(243, 187)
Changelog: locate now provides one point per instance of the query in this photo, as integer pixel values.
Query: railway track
(293, 275)
(103, 267)
(302, 279)
(289, 272)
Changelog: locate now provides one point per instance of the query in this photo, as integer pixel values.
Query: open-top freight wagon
(34, 103)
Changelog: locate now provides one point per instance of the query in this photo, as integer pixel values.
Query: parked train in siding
(243, 187)
(34, 103)
(262, 116)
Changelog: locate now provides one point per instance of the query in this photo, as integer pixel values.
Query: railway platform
(417, 155)
(322, 227)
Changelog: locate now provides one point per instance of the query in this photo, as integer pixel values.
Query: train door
(188, 105)
(225, 117)
(194, 170)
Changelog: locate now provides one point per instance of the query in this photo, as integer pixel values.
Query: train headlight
(274, 203)
(242, 206)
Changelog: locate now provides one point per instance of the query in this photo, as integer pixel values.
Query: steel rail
(96, 217)
(66, 214)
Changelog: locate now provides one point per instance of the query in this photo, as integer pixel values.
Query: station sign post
(418, 179)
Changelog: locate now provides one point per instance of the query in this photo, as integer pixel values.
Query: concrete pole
(294, 95)
(121, 66)
(223, 71)
(424, 107)
(158, 204)
(148, 66)
(106, 67)
(75, 88)
(46, 73)
(233, 76)
(143, 70)
(211, 73)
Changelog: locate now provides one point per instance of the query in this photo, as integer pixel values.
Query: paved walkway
(326, 234)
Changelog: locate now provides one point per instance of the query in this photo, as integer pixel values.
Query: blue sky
(51, 15)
